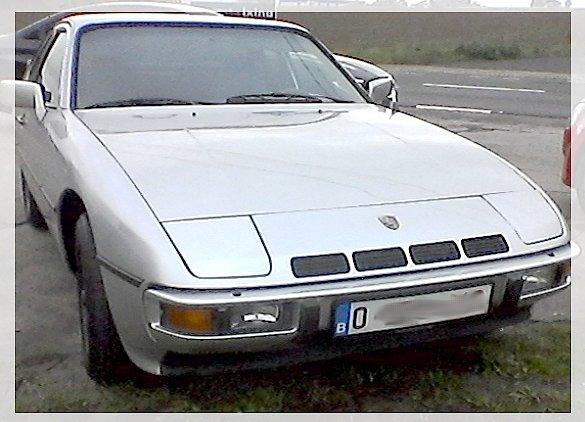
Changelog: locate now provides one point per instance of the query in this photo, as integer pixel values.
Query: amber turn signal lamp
(189, 320)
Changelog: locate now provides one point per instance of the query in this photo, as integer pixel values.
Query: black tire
(104, 357)
(32, 214)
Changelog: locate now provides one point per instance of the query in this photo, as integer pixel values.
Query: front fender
(126, 231)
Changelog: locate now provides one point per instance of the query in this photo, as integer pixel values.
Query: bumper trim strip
(566, 284)
(161, 329)
(136, 282)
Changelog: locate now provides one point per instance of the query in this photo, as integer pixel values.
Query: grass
(520, 369)
(445, 52)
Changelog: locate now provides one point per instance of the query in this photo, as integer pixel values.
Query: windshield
(161, 65)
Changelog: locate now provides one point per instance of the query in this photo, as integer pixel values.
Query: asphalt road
(47, 339)
(484, 92)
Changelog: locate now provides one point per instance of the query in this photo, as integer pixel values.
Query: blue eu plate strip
(342, 320)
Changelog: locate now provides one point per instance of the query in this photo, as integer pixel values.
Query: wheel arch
(71, 206)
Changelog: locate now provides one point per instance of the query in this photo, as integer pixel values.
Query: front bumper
(322, 346)
(313, 307)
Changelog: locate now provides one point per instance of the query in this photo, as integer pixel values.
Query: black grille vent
(434, 252)
(379, 259)
(311, 266)
(487, 245)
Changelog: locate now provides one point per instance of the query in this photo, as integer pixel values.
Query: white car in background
(229, 197)
(369, 76)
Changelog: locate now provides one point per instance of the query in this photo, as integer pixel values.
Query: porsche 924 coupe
(228, 196)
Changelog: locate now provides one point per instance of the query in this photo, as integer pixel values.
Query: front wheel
(104, 357)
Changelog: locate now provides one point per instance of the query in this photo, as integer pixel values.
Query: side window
(51, 70)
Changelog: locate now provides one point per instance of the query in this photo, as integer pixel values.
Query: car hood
(228, 160)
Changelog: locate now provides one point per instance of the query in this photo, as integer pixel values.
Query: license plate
(387, 314)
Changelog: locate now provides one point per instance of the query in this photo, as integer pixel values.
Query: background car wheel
(104, 357)
(32, 214)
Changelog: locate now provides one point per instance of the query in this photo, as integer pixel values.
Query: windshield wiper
(145, 102)
(281, 97)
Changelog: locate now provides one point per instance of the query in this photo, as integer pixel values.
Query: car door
(41, 134)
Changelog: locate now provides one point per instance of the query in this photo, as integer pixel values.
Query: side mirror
(383, 91)
(21, 96)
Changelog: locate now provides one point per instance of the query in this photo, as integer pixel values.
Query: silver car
(228, 197)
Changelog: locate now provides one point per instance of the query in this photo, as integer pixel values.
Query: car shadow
(331, 385)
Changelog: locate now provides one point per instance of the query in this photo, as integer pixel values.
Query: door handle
(21, 118)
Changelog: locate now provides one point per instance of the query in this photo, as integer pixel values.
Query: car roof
(78, 21)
